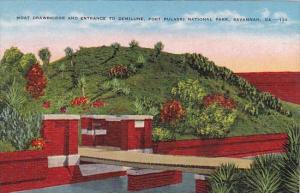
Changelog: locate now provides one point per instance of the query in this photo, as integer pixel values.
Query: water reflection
(119, 185)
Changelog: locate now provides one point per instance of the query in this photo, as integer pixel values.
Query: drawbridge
(189, 164)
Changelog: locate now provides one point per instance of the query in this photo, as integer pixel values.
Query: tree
(71, 56)
(45, 55)
(82, 84)
(171, 113)
(158, 47)
(36, 81)
(11, 56)
(26, 62)
(133, 44)
(116, 47)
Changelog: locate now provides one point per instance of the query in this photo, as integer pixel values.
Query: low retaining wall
(145, 179)
(16, 167)
(245, 146)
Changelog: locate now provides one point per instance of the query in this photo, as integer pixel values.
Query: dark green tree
(45, 55)
(26, 62)
(11, 57)
(116, 47)
(133, 44)
(70, 55)
(158, 47)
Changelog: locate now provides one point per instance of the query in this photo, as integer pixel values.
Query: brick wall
(55, 165)
(201, 186)
(244, 146)
(22, 166)
(122, 132)
(285, 85)
(152, 180)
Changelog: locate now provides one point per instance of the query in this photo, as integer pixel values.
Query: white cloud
(265, 12)
(280, 14)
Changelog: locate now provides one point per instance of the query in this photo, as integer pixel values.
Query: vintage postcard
(149, 96)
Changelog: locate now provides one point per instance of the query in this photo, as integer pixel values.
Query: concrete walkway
(190, 164)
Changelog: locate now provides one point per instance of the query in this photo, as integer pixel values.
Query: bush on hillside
(119, 71)
(6, 146)
(219, 99)
(172, 112)
(213, 121)
(189, 92)
(36, 81)
(115, 86)
(145, 106)
(161, 134)
(209, 69)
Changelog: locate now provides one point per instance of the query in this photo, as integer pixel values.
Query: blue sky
(272, 46)
(9, 10)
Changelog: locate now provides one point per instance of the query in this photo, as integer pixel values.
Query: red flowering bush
(37, 144)
(98, 104)
(172, 111)
(119, 71)
(78, 101)
(219, 99)
(46, 104)
(36, 81)
(63, 109)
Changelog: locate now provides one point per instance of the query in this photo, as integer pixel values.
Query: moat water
(118, 185)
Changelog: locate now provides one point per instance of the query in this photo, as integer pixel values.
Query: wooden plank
(191, 164)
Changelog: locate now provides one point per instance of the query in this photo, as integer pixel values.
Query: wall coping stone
(138, 172)
(118, 118)
(60, 117)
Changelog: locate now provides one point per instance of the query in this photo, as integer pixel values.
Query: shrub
(189, 91)
(161, 134)
(78, 101)
(116, 87)
(119, 71)
(46, 104)
(225, 179)
(263, 176)
(36, 81)
(251, 109)
(219, 99)
(18, 130)
(213, 121)
(15, 96)
(132, 68)
(209, 69)
(98, 104)
(290, 168)
(37, 144)
(145, 106)
(172, 112)
(6, 146)
(133, 44)
(140, 61)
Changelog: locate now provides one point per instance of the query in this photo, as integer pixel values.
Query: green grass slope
(155, 81)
